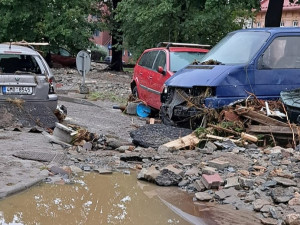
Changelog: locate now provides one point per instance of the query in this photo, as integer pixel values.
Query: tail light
(51, 87)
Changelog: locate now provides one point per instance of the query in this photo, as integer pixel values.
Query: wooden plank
(189, 140)
(260, 118)
(221, 138)
(272, 129)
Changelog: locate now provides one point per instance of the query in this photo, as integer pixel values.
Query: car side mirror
(161, 70)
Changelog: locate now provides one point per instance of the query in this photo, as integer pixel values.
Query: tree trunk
(274, 12)
(117, 40)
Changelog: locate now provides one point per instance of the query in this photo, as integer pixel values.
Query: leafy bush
(98, 53)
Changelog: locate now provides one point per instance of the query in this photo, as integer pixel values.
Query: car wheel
(164, 117)
(135, 92)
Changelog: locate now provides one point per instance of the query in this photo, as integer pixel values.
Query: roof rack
(170, 44)
(25, 43)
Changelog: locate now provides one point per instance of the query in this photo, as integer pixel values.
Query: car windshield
(178, 60)
(237, 48)
(14, 63)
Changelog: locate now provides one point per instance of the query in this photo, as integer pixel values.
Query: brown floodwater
(112, 199)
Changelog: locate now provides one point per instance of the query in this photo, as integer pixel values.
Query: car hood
(200, 75)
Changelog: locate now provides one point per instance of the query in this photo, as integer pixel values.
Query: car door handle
(150, 77)
(140, 74)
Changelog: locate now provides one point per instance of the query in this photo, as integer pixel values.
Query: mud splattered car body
(260, 61)
(25, 75)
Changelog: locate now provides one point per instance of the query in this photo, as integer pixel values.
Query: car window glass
(143, 59)
(242, 46)
(283, 52)
(14, 63)
(150, 59)
(160, 60)
(178, 60)
(64, 52)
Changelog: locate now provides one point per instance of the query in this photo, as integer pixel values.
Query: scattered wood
(223, 129)
(271, 129)
(248, 137)
(259, 117)
(221, 138)
(186, 141)
(152, 121)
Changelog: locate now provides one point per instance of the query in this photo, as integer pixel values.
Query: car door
(144, 74)
(158, 79)
(278, 68)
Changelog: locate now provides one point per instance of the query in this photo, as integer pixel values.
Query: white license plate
(16, 90)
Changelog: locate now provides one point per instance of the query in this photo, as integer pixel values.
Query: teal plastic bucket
(142, 110)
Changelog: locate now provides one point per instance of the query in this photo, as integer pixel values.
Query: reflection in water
(93, 199)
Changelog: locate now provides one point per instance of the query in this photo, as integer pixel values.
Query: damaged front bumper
(184, 105)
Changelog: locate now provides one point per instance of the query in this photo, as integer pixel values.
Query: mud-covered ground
(264, 180)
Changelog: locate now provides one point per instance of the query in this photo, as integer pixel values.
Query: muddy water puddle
(114, 199)
(93, 199)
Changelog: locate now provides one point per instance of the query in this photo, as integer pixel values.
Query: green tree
(145, 23)
(63, 23)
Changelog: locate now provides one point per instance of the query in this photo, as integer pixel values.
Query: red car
(156, 65)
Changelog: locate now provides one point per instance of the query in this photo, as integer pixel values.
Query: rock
(75, 169)
(87, 146)
(123, 148)
(57, 170)
(293, 219)
(265, 209)
(232, 182)
(294, 201)
(141, 174)
(169, 176)
(259, 203)
(245, 173)
(268, 221)
(199, 185)
(282, 195)
(224, 193)
(103, 171)
(210, 145)
(151, 174)
(285, 181)
(218, 163)
(212, 181)
(174, 170)
(183, 183)
(194, 171)
(225, 144)
(203, 196)
(246, 183)
(270, 183)
(209, 170)
(115, 143)
(273, 212)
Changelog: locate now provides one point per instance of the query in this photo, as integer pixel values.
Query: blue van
(262, 61)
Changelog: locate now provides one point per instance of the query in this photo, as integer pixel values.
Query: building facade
(290, 15)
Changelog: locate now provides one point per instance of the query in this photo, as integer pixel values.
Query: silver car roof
(17, 49)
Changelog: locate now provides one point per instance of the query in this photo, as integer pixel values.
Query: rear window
(14, 64)
(179, 60)
(147, 59)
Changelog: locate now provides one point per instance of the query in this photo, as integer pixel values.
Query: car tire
(165, 118)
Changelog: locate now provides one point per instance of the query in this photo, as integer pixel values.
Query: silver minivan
(24, 74)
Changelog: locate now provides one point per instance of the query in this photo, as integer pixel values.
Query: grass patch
(128, 70)
(95, 96)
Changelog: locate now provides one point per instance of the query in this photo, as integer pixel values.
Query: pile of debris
(256, 121)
